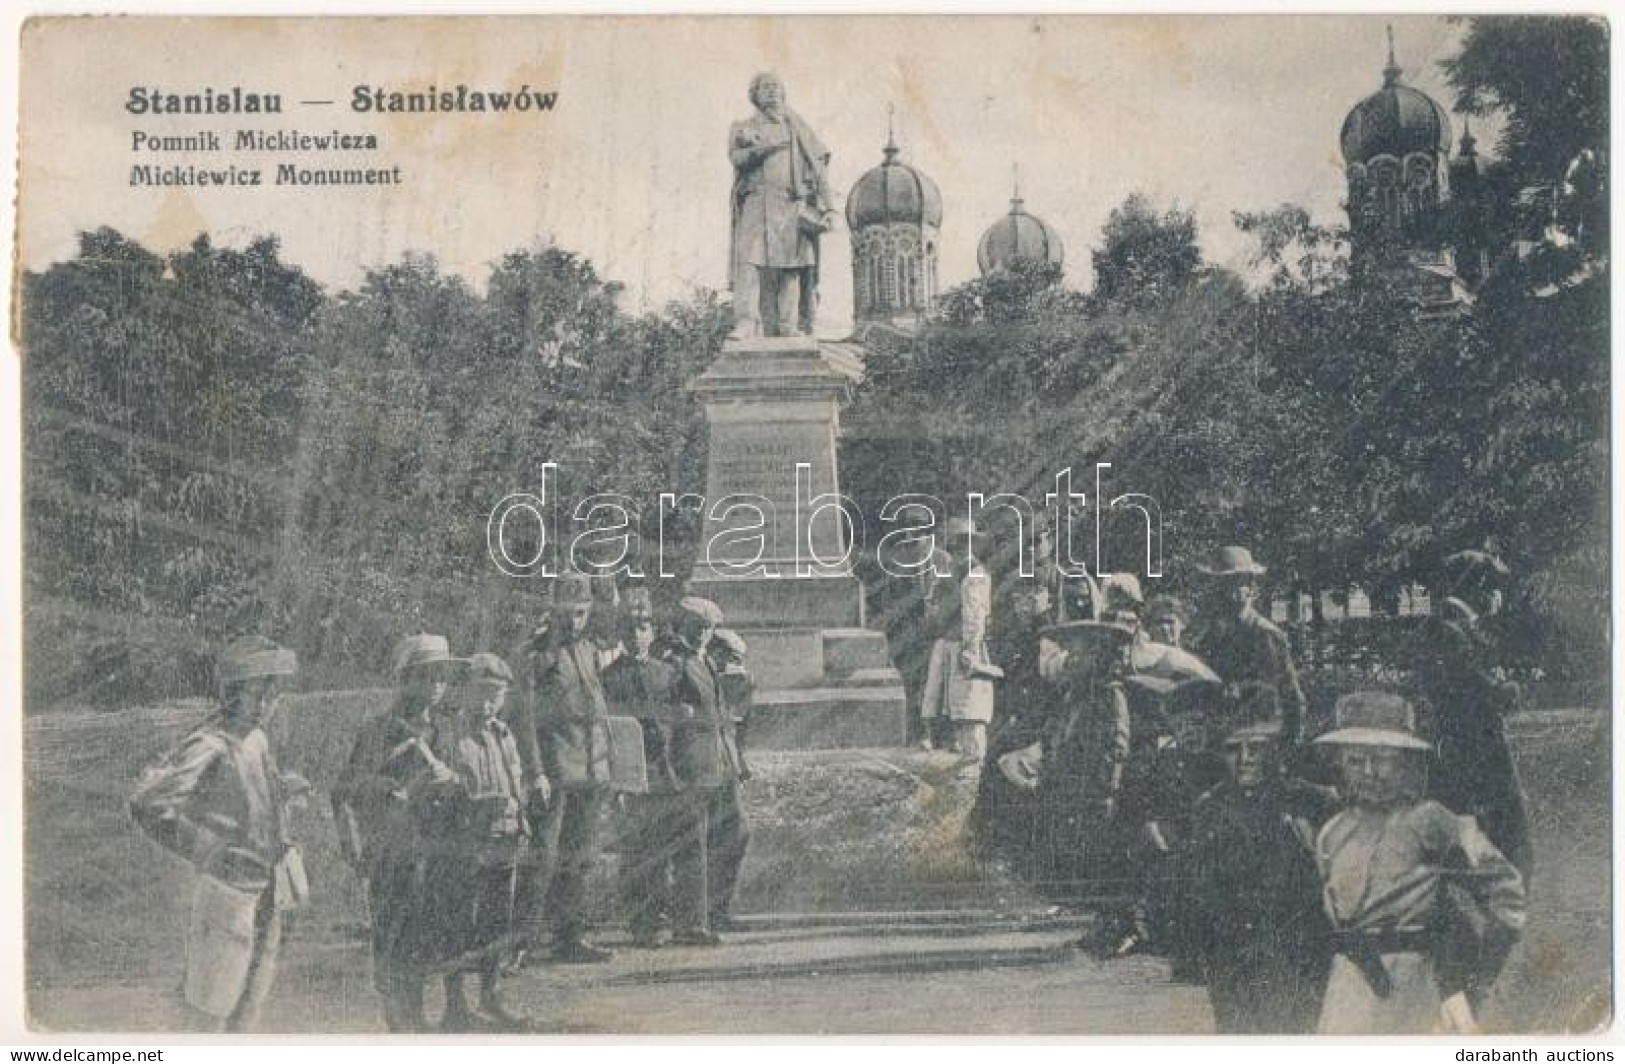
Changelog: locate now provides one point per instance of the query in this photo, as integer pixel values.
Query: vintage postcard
(928, 525)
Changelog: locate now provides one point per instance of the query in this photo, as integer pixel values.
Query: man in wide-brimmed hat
(219, 801)
(1423, 906)
(1464, 704)
(957, 700)
(1248, 899)
(392, 795)
(1243, 646)
(562, 728)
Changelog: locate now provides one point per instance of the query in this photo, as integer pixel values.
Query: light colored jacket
(1385, 876)
(951, 691)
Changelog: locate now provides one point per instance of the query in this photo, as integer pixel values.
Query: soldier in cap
(727, 834)
(958, 694)
(392, 805)
(1423, 906)
(1248, 903)
(1166, 618)
(1242, 646)
(480, 748)
(562, 727)
(705, 758)
(639, 685)
(1466, 704)
(219, 801)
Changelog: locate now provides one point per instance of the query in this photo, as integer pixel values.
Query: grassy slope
(834, 830)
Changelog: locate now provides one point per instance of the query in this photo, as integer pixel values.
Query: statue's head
(766, 91)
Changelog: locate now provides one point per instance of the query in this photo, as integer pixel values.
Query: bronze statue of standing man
(780, 207)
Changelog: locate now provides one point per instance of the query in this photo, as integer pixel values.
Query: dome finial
(1391, 72)
(891, 133)
(1015, 188)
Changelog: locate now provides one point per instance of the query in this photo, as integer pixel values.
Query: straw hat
(1375, 718)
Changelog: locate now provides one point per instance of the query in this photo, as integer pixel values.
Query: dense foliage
(216, 446)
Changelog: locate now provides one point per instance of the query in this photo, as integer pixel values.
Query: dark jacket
(1463, 707)
(373, 799)
(1254, 913)
(643, 688)
(703, 750)
(1246, 651)
(562, 722)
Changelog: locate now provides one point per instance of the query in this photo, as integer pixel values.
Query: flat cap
(488, 666)
(703, 608)
(255, 656)
(421, 649)
(1120, 588)
(732, 640)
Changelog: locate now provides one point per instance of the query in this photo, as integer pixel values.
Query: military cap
(1254, 729)
(731, 640)
(1231, 561)
(421, 649)
(254, 656)
(488, 666)
(1121, 587)
(1374, 718)
(573, 589)
(703, 608)
(1167, 606)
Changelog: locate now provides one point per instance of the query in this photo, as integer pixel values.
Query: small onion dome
(893, 192)
(1395, 120)
(1018, 235)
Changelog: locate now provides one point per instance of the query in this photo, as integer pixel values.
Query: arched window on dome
(873, 264)
(1383, 174)
(905, 287)
(888, 284)
(860, 285)
(1419, 197)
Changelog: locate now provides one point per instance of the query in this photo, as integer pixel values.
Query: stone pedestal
(774, 561)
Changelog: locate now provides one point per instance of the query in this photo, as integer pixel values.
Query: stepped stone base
(772, 409)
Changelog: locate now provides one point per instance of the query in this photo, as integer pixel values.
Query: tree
(1014, 292)
(163, 395)
(1548, 78)
(1295, 250)
(1145, 254)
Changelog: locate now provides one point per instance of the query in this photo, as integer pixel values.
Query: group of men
(475, 824)
(1172, 788)
(1368, 874)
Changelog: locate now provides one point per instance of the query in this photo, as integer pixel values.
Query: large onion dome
(893, 192)
(1018, 235)
(1395, 120)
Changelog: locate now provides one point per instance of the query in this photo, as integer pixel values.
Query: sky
(1214, 113)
